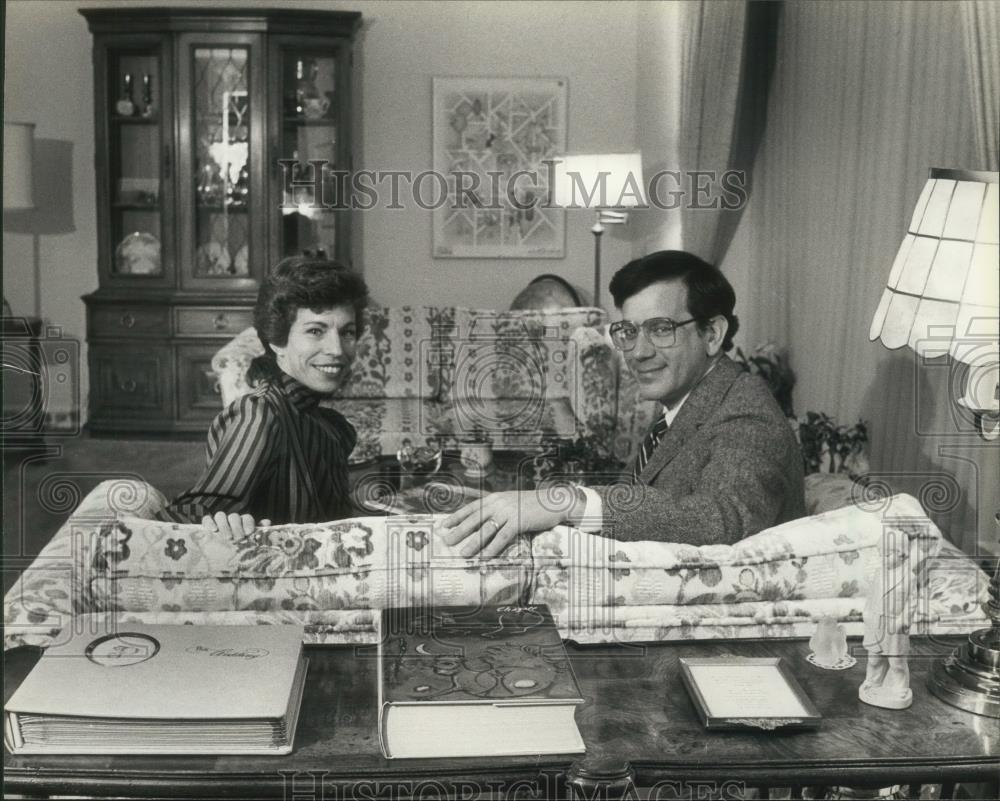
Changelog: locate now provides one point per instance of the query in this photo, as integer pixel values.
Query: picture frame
(731, 692)
(493, 141)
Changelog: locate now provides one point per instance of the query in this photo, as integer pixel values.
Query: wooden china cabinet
(194, 109)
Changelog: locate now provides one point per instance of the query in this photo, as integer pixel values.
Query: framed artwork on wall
(493, 138)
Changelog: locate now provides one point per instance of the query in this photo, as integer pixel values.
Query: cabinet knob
(129, 385)
(221, 322)
(127, 320)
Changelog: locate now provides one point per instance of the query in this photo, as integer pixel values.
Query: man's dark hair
(300, 282)
(709, 294)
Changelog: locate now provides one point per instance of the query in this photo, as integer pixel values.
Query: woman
(275, 454)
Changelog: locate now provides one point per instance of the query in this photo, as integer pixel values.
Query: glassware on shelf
(125, 107)
(147, 96)
(300, 87)
(241, 263)
(213, 259)
(138, 254)
(309, 101)
(211, 187)
(138, 191)
(239, 191)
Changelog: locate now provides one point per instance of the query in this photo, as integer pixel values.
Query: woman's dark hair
(709, 293)
(300, 282)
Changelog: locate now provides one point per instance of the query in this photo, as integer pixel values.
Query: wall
(48, 81)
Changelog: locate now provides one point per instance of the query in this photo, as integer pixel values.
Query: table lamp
(943, 297)
(605, 183)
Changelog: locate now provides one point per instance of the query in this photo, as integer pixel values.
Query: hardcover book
(475, 681)
(158, 689)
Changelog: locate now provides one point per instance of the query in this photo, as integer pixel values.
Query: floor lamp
(605, 183)
(943, 297)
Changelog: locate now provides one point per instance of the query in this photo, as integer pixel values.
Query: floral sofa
(110, 560)
(448, 373)
(445, 373)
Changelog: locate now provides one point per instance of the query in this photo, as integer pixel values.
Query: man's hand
(235, 527)
(489, 525)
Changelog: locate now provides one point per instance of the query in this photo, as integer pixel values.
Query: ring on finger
(496, 525)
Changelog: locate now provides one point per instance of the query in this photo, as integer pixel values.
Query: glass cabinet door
(221, 124)
(137, 116)
(313, 95)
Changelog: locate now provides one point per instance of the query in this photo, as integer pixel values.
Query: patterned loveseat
(111, 560)
(448, 373)
(445, 373)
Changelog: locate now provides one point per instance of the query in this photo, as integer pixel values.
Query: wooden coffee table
(642, 734)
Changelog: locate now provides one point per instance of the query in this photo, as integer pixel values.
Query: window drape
(866, 97)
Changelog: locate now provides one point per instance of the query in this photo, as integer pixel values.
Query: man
(721, 464)
(276, 454)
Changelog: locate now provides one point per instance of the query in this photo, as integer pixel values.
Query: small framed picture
(732, 692)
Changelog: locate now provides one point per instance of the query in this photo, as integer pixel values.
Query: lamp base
(970, 677)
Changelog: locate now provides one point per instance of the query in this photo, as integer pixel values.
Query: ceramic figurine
(887, 625)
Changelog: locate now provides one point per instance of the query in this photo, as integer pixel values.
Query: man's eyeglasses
(660, 331)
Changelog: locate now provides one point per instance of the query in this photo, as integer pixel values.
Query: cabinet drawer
(129, 321)
(199, 396)
(202, 321)
(130, 382)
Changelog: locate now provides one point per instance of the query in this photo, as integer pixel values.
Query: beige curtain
(981, 25)
(865, 98)
(690, 69)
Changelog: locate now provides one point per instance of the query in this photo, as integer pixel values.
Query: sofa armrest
(57, 585)
(776, 583)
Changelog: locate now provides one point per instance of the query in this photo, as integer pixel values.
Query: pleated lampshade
(943, 293)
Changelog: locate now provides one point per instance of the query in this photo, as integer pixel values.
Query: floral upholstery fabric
(762, 619)
(116, 563)
(607, 391)
(447, 373)
(776, 583)
(527, 355)
(108, 559)
(829, 555)
(362, 563)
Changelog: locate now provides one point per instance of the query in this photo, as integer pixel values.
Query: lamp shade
(609, 181)
(18, 152)
(943, 292)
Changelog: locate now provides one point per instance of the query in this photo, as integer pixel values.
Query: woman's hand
(489, 525)
(234, 526)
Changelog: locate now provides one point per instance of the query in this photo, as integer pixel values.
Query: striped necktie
(649, 443)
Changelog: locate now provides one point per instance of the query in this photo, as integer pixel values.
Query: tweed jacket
(728, 467)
